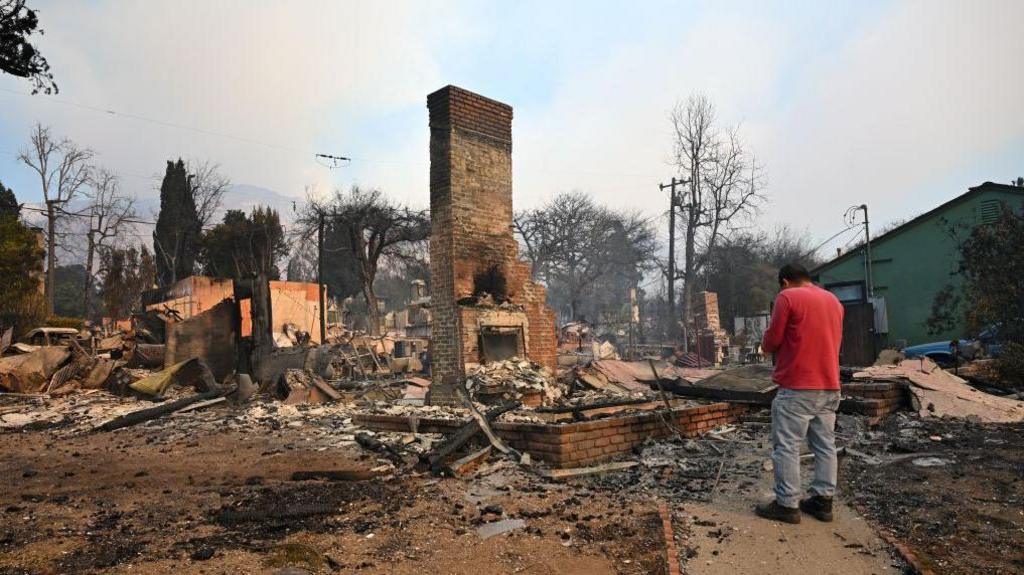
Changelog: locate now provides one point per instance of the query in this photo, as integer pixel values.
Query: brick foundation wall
(577, 444)
(471, 231)
(875, 400)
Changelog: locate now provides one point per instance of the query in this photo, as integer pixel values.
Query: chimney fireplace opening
(491, 281)
(500, 343)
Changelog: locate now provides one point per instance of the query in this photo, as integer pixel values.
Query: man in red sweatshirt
(804, 333)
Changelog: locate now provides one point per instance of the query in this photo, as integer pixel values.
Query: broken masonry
(484, 306)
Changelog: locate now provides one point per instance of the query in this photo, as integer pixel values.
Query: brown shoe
(777, 512)
(818, 507)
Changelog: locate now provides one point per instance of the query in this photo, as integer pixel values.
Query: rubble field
(952, 490)
(150, 500)
(610, 467)
(276, 488)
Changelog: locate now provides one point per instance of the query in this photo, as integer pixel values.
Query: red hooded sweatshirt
(805, 332)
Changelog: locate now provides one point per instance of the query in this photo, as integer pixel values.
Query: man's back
(805, 333)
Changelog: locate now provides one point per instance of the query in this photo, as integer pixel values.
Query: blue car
(942, 352)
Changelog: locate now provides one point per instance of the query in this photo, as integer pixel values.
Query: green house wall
(913, 262)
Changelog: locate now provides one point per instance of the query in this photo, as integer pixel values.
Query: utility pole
(674, 202)
(867, 253)
(335, 162)
(870, 281)
(671, 253)
(634, 319)
(320, 275)
(51, 252)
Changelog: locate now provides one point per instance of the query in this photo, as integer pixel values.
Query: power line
(157, 122)
(335, 160)
(852, 241)
(127, 220)
(822, 244)
(74, 215)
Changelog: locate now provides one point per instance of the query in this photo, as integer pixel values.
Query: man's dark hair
(794, 273)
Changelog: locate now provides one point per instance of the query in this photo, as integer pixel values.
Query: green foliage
(127, 272)
(67, 293)
(945, 313)
(176, 238)
(364, 230)
(991, 266)
(18, 57)
(1011, 364)
(341, 270)
(21, 267)
(242, 246)
(8, 203)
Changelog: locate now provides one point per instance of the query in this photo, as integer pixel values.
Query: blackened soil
(966, 516)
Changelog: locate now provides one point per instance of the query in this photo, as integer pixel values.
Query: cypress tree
(176, 237)
(8, 203)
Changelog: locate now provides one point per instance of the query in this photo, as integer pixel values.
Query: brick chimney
(473, 253)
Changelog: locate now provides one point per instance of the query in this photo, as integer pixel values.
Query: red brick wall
(875, 400)
(578, 444)
(471, 226)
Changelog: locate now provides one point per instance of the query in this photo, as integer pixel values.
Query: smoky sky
(900, 105)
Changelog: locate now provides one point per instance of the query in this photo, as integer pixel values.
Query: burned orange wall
(291, 302)
(195, 295)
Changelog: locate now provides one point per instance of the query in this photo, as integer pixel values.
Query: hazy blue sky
(901, 105)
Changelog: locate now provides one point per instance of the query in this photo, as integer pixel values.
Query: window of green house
(847, 291)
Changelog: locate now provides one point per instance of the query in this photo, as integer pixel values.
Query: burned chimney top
(452, 108)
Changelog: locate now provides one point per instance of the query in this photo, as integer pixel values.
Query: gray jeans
(799, 414)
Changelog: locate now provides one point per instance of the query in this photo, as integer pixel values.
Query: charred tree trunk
(51, 256)
(262, 323)
(372, 312)
(90, 252)
(689, 277)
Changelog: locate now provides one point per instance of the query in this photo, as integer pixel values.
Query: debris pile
(303, 386)
(110, 363)
(33, 372)
(938, 393)
(598, 397)
(513, 379)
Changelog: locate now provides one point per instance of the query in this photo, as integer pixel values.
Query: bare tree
(208, 186)
(63, 169)
(584, 251)
(377, 229)
(108, 213)
(302, 261)
(125, 272)
(538, 239)
(724, 188)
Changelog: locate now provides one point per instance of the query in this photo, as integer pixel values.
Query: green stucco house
(912, 262)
